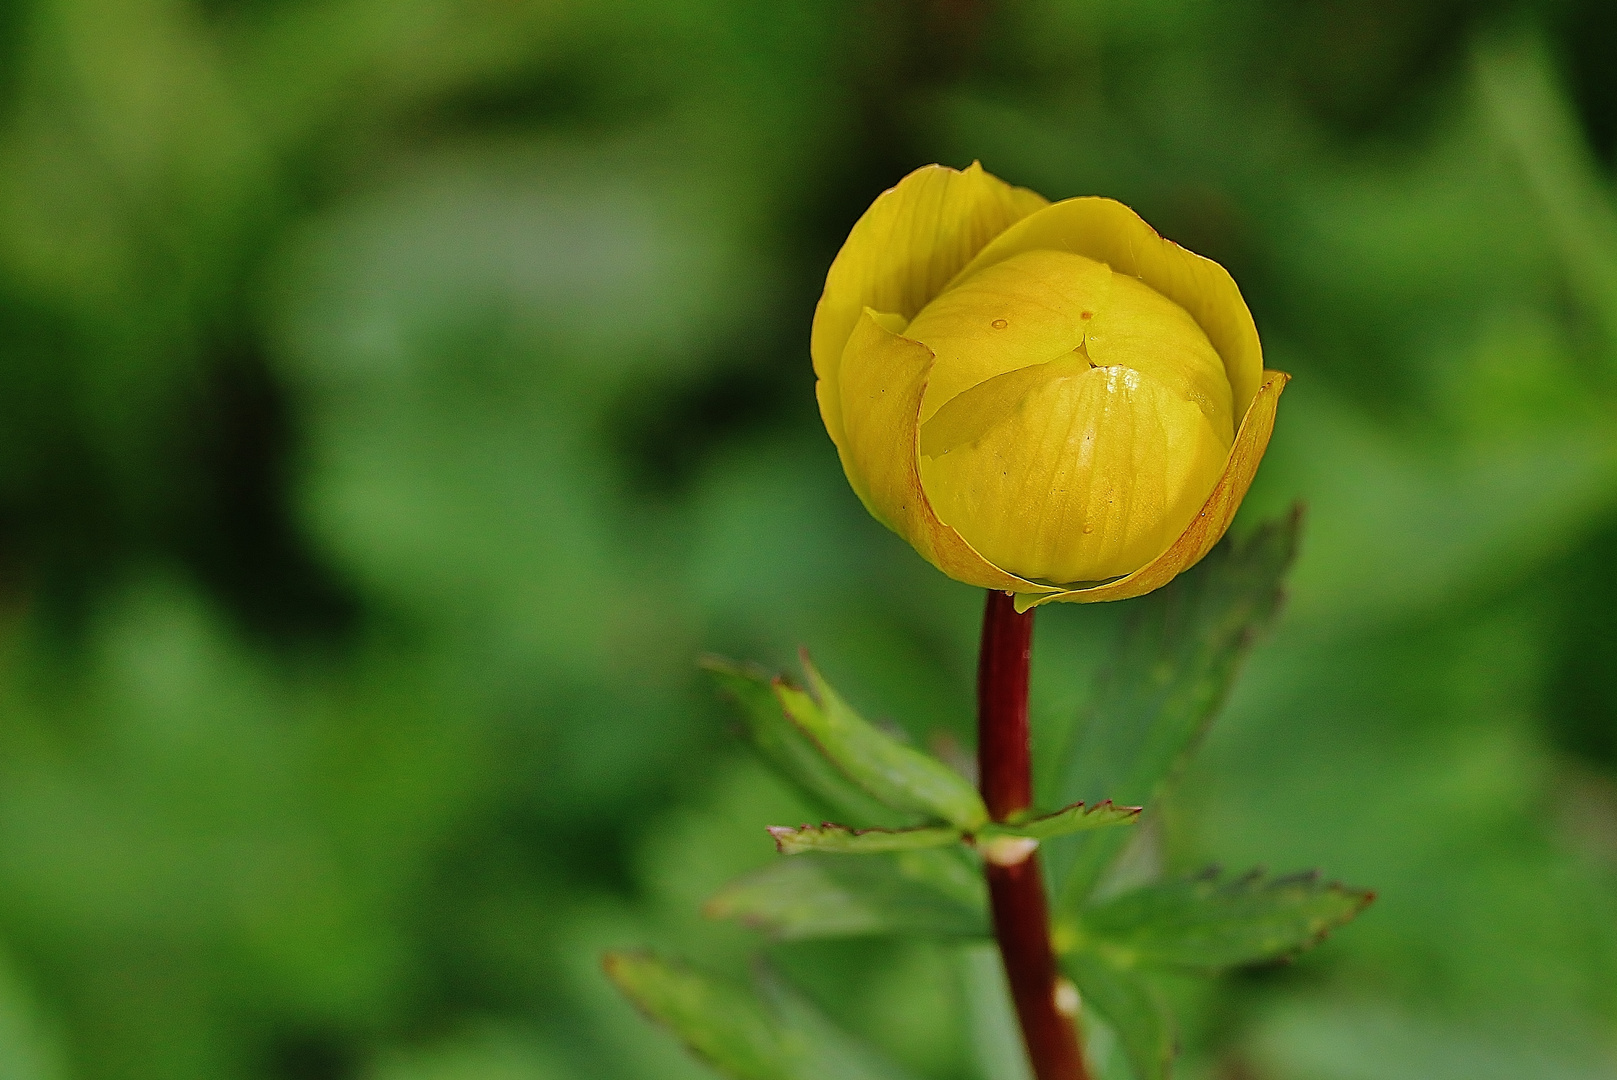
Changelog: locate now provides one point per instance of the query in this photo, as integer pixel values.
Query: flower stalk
(1015, 886)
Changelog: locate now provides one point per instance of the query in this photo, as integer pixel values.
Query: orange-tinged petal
(883, 379)
(902, 251)
(1210, 523)
(1109, 232)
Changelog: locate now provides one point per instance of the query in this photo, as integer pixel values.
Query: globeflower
(1047, 399)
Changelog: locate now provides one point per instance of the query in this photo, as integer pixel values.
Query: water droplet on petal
(999, 324)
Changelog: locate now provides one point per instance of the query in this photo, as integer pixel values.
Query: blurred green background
(396, 396)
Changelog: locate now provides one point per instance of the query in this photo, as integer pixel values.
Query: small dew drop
(1088, 529)
(999, 324)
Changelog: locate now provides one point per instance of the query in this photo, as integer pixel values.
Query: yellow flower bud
(1048, 399)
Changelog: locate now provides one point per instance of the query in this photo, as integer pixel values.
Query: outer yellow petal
(1211, 522)
(1108, 231)
(883, 379)
(902, 251)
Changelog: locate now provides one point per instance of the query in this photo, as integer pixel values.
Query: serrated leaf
(1068, 820)
(900, 776)
(1170, 671)
(769, 1032)
(839, 839)
(928, 893)
(723, 1025)
(785, 747)
(1134, 1009)
(1205, 922)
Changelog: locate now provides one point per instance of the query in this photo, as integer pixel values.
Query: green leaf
(1173, 665)
(1133, 1008)
(723, 1025)
(948, 871)
(901, 777)
(1064, 822)
(841, 839)
(995, 1035)
(931, 893)
(770, 1033)
(1207, 923)
(1527, 104)
(831, 837)
(821, 1050)
(785, 747)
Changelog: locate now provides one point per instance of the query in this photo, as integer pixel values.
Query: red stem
(1016, 892)
(1004, 754)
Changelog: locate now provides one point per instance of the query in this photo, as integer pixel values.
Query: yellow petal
(1210, 522)
(883, 380)
(1074, 473)
(1109, 232)
(1029, 309)
(900, 254)
(1140, 328)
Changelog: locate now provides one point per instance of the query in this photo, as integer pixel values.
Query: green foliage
(1516, 84)
(782, 743)
(900, 776)
(769, 1034)
(724, 1025)
(821, 1050)
(1064, 822)
(816, 744)
(1135, 1009)
(996, 1037)
(1206, 922)
(1169, 672)
(929, 893)
(839, 838)
(1172, 669)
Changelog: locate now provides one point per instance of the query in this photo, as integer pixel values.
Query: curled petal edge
(1210, 522)
(883, 377)
(902, 251)
(1107, 231)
